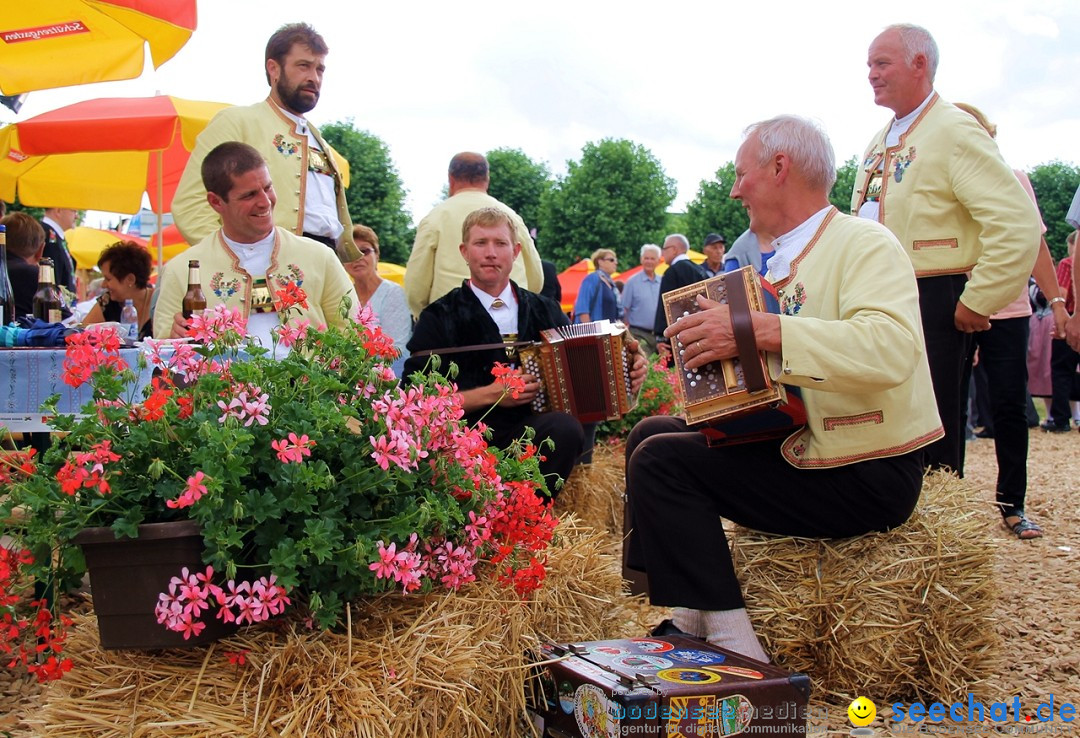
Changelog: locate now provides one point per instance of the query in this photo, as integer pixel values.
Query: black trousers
(1063, 363)
(949, 353)
(564, 430)
(678, 489)
(1003, 359)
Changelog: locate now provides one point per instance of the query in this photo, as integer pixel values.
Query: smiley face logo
(861, 712)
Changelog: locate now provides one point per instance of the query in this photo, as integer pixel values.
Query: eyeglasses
(366, 252)
(608, 258)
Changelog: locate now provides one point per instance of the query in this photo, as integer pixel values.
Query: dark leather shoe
(668, 628)
(1051, 427)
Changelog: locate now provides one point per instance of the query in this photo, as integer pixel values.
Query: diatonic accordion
(730, 387)
(584, 370)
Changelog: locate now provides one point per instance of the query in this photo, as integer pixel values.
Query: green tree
(615, 197)
(376, 195)
(845, 183)
(713, 211)
(1055, 184)
(519, 182)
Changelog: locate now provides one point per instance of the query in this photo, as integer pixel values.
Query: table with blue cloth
(29, 376)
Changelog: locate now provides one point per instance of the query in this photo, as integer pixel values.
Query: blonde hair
(487, 218)
(980, 118)
(600, 254)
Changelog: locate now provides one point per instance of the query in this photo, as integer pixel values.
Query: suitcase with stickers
(664, 686)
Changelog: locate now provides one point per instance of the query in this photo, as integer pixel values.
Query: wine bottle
(48, 302)
(194, 299)
(7, 294)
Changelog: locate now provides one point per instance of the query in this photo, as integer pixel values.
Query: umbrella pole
(160, 213)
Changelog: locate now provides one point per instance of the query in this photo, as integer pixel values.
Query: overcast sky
(681, 78)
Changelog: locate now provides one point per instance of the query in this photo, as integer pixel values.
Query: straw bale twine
(447, 664)
(906, 614)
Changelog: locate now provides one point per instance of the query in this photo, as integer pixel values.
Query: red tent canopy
(570, 280)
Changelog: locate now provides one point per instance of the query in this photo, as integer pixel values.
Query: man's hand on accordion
(708, 336)
(639, 367)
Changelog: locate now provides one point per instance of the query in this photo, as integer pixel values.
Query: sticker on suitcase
(652, 646)
(737, 671)
(697, 656)
(688, 676)
(642, 662)
(595, 713)
(693, 717)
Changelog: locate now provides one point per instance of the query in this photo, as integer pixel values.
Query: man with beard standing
(306, 172)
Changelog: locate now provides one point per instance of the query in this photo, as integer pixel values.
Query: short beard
(293, 100)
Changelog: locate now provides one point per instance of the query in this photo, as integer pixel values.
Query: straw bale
(437, 665)
(594, 492)
(906, 614)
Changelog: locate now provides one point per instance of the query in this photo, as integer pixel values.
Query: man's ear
(273, 70)
(517, 250)
(464, 251)
(216, 202)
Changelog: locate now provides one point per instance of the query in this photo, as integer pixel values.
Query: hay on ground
(438, 665)
(906, 614)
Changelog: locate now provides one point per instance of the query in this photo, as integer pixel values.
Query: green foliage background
(615, 197)
(1055, 184)
(519, 182)
(376, 195)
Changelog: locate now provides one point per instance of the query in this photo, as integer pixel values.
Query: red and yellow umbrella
(57, 43)
(86, 244)
(102, 154)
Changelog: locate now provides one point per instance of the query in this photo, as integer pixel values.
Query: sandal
(1023, 528)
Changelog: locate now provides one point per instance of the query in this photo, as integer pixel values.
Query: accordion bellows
(584, 370)
(720, 389)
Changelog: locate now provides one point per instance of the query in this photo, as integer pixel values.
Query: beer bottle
(7, 295)
(47, 300)
(194, 299)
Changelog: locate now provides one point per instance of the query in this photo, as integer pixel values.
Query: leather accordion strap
(742, 325)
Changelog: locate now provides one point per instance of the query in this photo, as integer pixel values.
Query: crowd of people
(884, 312)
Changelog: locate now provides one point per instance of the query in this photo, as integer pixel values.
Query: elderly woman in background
(125, 269)
(597, 298)
(386, 299)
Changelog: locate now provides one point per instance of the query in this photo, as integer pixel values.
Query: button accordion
(584, 370)
(733, 399)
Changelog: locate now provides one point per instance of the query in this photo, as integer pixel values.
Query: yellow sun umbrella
(86, 244)
(57, 43)
(392, 272)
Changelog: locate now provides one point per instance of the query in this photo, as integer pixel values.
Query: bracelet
(1056, 300)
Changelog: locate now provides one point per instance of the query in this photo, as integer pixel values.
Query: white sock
(688, 621)
(731, 629)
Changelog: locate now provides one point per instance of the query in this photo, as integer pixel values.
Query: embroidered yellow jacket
(274, 135)
(852, 340)
(955, 205)
(294, 259)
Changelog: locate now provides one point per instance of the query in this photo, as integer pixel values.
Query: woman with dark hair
(125, 269)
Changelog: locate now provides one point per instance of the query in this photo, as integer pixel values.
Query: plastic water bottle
(129, 322)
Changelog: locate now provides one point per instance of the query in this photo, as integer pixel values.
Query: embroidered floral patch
(293, 273)
(901, 162)
(792, 304)
(288, 148)
(222, 288)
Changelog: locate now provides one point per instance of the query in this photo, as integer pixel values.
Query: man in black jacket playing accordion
(487, 312)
